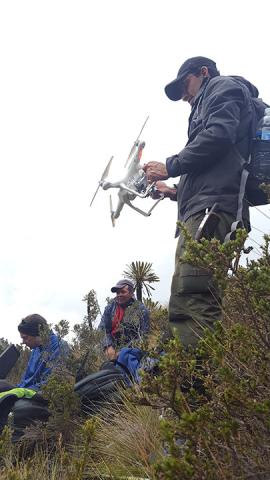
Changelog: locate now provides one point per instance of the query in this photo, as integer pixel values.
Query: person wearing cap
(45, 356)
(212, 175)
(125, 320)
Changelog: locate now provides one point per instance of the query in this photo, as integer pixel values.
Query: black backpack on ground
(102, 388)
(26, 412)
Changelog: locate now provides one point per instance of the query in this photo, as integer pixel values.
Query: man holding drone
(213, 184)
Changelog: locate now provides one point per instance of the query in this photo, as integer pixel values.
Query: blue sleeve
(105, 320)
(54, 360)
(41, 364)
(28, 373)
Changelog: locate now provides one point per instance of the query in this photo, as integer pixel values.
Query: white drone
(134, 184)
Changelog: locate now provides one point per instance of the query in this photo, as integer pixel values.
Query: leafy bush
(215, 401)
(201, 415)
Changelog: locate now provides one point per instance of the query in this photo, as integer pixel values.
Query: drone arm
(118, 209)
(106, 185)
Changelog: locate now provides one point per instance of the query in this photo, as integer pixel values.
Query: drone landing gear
(145, 214)
(116, 214)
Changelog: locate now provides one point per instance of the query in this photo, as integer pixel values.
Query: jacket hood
(252, 89)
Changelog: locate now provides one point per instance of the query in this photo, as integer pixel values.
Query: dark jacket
(41, 363)
(133, 327)
(218, 147)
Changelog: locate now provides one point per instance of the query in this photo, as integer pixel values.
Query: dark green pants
(195, 302)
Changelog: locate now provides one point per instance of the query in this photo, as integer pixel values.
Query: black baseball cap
(175, 89)
(122, 283)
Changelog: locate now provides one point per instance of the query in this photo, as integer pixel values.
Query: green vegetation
(200, 415)
(142, 275)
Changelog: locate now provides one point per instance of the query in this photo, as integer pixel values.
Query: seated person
(45, 356)
(125, 320)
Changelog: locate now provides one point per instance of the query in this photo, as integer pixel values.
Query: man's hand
(155, 171)
(110, 353)
(161, 189)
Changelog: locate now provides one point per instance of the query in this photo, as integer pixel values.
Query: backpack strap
(242, 189)
(239, 223)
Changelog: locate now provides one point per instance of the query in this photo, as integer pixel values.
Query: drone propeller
(112, 212)
(104, 175)
(135, 143)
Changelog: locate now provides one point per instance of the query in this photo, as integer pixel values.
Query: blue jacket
(133, 327)
(131, 359)
(41, 363)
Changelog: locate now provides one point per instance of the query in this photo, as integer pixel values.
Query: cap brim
(175, 89)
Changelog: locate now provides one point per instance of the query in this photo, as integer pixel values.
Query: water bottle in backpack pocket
(260, 155)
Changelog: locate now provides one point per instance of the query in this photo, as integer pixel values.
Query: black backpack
(258, 164)
(102, 388)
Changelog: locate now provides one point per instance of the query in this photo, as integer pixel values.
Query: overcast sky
(78, 79)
